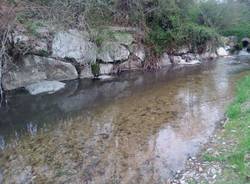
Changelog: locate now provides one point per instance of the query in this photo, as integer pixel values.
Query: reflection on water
(139, 128)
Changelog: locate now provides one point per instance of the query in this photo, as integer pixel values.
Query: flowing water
(137, 128)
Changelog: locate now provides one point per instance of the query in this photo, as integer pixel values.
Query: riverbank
(226, 158)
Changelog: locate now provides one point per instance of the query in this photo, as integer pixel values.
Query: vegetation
(169, 23)
(236, 156)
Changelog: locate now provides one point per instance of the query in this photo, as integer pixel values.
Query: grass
(236, 157)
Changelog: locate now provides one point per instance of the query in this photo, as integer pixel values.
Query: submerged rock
(32, 69)
(74, 44)
(112, 51)
(105, 77)
(244, 53)
(45, 87)
(191, 62)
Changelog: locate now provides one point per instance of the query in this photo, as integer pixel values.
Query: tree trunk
(1, 89)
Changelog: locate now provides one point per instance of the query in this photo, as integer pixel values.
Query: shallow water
(138, 128)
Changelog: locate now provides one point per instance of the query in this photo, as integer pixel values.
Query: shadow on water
(23, 110)
(137, 128)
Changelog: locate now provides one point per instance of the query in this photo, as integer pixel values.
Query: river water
(137, 128)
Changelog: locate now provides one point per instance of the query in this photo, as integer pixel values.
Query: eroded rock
(133, 63)
(222, 51)
(32, 69)
(74, 44)
(45, 87)
(86, 72)
(164, 60)
(138, 51)
(111, 52)
(106, 69)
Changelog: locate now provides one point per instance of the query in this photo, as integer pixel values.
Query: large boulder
(32, 69)
(164, 61)
(207, 56)
(111, 52)
(133, 63)
(86, 72)
(74, 44)
(232, 41)
(138, 51)
(222, 51)
(177, 59)
(106, 69)
(45, 87)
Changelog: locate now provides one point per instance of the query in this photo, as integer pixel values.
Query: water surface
(138, 128)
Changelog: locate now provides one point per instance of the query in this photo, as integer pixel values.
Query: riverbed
(137, 128)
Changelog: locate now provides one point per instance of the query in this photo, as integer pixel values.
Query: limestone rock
(34, 69)
(111, 52)
(139, 51)
(164, 60)
(177, 59)
(45, 87)
(133, 63)
(74, 44)
(106, 69)
(86, 72)
(222, 51)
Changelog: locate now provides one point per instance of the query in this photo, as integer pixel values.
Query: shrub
(95, 68)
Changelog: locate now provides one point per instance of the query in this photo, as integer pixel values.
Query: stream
(137, 128)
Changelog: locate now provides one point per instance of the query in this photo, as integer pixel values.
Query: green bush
(95, 68)
(241, 31)
(188, 33)
(198, 36)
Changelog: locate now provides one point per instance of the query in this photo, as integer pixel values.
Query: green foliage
(32, 26)
(95, 68)
(199, 35)
(240, 30)
(188, 33)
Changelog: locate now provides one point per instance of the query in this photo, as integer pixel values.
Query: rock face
(111, 52)
(74, 44)
(34, 69)
(133, 63)
(45, 87)
(164, 60)
(222, 52)
(177, 59)
(232, 41)
(86, 72)
(106, 69)
(138, 51)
